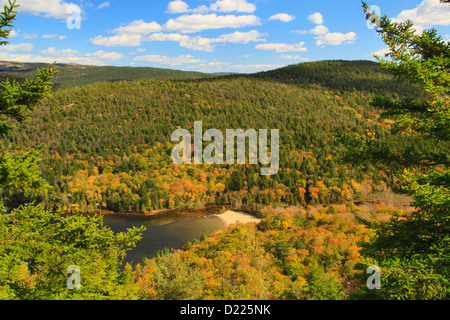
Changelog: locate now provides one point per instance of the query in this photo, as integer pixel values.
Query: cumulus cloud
(319, 30)
(316, 18)
(199, 22)
(382, 52)
(427, 14)
(233, 5)
(172, 61)
(207, 44)
(6, 56)
(122, 40)
(179, 6)
(13, 34)
(335, 38)
(323, 34)
(241, 37)
(251, 68)
(48, 8)
(284, 17)
(17, 47)
(139, 27)
(193, 43)
(293, 57)
(109, 56)
(61, 53)
(282, 47)
(214, 64)
(62, 56)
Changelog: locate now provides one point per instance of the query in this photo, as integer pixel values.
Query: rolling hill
(78, 75)
(108, 143)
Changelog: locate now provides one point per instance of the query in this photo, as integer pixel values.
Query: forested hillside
(77, 75)
(107, 145)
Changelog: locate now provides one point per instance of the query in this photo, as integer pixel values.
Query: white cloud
(51, 55)
(13, 34)
(110, 56)
(324, 36)
(6, 56)
(17, 47)
(233, 5)
(179, 6)
(29, 36)
(36, 58)
(300, 31)
(250, 68)
(48, 8)
(199, 22)
(429, 13)
(123, 40)
(214, 64)
(49, 36)
(103, 5)
(319, 30)
(241, 37)
(284, 17)
(139, 27)
(172, 61)
(382, 52)
(316, 18)
(61, 53)
(282, 47)
(335, 38)
(207, 44)
(194, 43)
(291, 57)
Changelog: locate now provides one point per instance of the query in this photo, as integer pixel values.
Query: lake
(163, 231)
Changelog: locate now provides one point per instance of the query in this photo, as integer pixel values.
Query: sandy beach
(233, 217)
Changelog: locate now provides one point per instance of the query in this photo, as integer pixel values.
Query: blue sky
(207, 35)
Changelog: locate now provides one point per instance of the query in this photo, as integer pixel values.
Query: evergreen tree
(414, 253)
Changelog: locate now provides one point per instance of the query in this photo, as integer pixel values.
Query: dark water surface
(163, 231)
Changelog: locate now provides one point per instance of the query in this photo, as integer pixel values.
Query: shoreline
(234, 217)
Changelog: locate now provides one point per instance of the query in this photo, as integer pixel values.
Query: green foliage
(17, 99)
(6, 20)
(115, 153)
(414, 252)
(286, 256)
(37, 247)
(21, 175)
(175, 279)
(423, 59)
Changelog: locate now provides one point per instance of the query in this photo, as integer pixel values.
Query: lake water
(163, 231)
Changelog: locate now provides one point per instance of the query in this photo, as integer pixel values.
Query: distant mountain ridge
(77, 75)
(341, 75)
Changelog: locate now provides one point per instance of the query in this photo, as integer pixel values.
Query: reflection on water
(163, 231)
